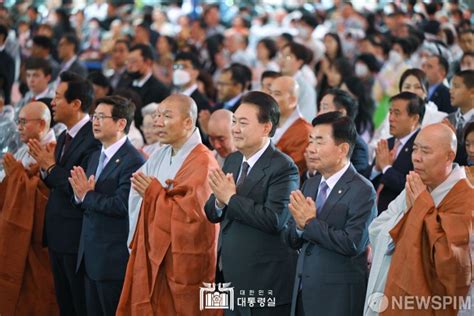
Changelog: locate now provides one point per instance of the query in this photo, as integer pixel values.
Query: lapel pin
(340, 191)
(406, 149)
(117, 161)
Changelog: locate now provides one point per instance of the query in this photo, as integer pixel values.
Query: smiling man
(101, 191)
(250, 200)
(173, 246)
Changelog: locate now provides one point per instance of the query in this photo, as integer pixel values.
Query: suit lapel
(341, 187)
(257, 172)
(59, 146)
(115, 161)
(77, 140)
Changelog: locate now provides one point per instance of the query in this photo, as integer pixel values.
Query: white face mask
(361, 70)
(181, 77)
(395, 57)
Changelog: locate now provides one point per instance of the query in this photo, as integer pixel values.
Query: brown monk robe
(470, 173)
(26, 282)
(294, 142)
(432, 257)
(173, 246)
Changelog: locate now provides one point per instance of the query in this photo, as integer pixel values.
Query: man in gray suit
(332, 231)
(250, 200)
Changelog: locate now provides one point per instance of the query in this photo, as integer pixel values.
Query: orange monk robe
(432, 252)
(174, 247)
(470, 174)
(26, 281)
(294, 142)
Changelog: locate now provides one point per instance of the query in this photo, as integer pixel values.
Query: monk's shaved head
(221, 116)
(34, 121)
(220, 132)
(444, 136)
(286, 84)
(186, 105)
(37, 110)
(433, 154)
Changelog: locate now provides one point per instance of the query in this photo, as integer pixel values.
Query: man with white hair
(421, 242)
(149, 133)
(173, 246)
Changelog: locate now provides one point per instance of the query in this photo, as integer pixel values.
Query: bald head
(38, 110)
(285, 91)
(220, 132)
(186, 105)
(433, 154)
(221, 117)
(445, 137)
(34, 121)
(287, 84)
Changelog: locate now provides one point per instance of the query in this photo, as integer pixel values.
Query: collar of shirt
(140, 83)
(334, 179)
(232, 101)
(432, 89)
(189, 90)
(189, 145)
(404, 140)
(255, 157)
(467, 116)
(41, 95)
(280, 131)
(66, 65)
(112, 149)
(76, 128)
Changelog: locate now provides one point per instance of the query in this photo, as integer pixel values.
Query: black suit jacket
(395, 177)
(332, 262)
(220, 105)
(201, 101)
(63, 220)
(442, 98)
(79, 68)
(103, 243)
(253, 253)
(152, 91)
(360, 155)
(7, 75)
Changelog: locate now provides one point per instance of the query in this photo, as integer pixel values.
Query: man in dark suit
(102, 193)
(393, 156)
(68, 48)
(341, 101)
(139, 77)
(7, 67)
(436, 68)
(331, 233)
(462, 96)
(63, 221)
(41, 48)
(185, 73)
(250, 200)
(232, 83)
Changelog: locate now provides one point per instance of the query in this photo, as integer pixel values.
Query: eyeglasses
(23, 121)
(179, 66)
(100, 117)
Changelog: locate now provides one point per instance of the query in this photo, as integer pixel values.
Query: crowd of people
(313, 160)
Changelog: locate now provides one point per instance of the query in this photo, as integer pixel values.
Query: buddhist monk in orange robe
(26, 281)
(431, 255)
(292, 134)
(173, 246)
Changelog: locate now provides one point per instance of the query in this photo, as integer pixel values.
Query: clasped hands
(383, 156)
(222, 185)
(301, 208)
(80, 183)
(43, 154)
(414, 186)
